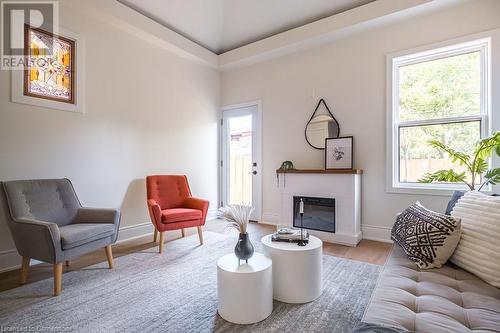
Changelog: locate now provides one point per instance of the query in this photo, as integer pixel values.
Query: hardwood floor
(367, 251)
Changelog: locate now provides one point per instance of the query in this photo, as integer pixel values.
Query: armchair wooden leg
(109, 255)
(183, 233)
(25, 266)
(57, 279)
(162, 239)
(200, 234)
(155, 237)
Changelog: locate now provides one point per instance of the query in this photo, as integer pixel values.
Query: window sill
(426, 189)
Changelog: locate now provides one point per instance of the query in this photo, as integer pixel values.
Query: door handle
(253, 172)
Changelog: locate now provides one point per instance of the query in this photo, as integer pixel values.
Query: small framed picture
(339, 153)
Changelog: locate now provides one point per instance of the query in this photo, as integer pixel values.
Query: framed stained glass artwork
(49, 70)
(51, 75)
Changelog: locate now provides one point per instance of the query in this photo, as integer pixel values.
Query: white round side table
(245, 291)
(297, 270)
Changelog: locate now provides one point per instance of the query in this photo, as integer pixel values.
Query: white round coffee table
(297, 270)
(245, 292)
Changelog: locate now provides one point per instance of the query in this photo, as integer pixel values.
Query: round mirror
(321, 127)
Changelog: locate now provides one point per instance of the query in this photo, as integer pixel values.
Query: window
(439, 94)
(49, 73)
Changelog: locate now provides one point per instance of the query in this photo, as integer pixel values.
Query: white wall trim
(116, 14)
(327, 30)
(143, 229)
(134, 231)
(376, 233)
(370, 232)
(270, 218)
(317, 33)
(259, 150)
(212, 214)
(11, 260)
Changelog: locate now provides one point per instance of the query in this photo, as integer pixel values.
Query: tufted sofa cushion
(447, 299)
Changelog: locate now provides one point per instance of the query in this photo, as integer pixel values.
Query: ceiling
(223, 25)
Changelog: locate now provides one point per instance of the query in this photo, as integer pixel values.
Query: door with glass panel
(240, 157)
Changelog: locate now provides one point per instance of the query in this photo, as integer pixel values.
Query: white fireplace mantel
(343, 185)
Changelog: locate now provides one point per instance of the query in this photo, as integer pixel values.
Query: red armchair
(172, 207)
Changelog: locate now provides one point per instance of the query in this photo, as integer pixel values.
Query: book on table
(291, 235)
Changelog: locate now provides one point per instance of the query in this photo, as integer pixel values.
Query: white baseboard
(267, 223)
(10, 259)
(338, 238)
(270, 218)
(376, 233)
(370, 232)
(212, 214)
(143, 229)
(134, 231)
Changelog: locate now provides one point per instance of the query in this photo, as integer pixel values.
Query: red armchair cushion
(180, 214)
(168, 191)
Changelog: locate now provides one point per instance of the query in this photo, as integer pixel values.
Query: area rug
(177, 292)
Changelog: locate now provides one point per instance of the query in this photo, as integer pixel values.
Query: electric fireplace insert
(319, 213)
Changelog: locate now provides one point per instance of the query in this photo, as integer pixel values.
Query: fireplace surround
(342, 185)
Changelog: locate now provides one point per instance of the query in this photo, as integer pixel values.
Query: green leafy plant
(476, 164)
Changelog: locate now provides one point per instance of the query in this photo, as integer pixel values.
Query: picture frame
(339, 153)
(18, 77)
(62, 71)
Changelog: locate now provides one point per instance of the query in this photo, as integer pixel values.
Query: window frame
(423, 54)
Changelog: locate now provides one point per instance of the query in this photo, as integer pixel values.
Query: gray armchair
(48, 223)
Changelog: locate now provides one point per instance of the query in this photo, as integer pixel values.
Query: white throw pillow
(479, 248)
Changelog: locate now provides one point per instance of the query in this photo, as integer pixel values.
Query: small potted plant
(476, 165)
(237, 217)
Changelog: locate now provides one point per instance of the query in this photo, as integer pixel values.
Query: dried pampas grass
(237, 216)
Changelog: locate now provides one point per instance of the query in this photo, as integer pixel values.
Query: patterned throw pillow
(428, 238)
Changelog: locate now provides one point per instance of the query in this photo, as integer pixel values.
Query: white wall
(350, 75)
(148, 111)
